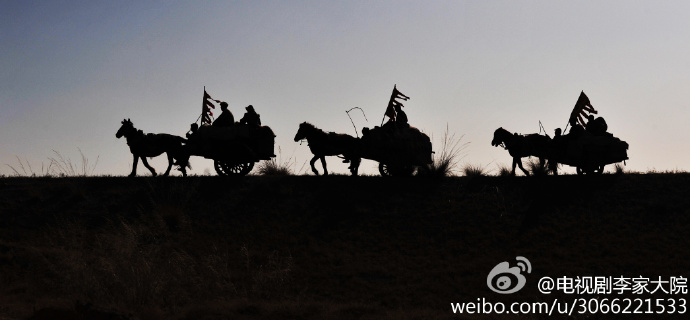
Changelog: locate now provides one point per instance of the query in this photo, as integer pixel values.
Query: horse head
(304, 130)
(499, 137)
(125, 129)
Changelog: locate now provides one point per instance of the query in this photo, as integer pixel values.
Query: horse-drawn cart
(397, 147)
(589, 153)
(588, 147)
(234, 149)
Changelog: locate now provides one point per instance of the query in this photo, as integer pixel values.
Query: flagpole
(203, 107)
(389, 103)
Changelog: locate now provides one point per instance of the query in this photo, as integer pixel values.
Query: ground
(335, 247)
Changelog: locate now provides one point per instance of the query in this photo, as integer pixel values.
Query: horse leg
(354, 166)
(519, 163)
(323, 164)
(515, 162)
(182, 161)
(134, 165)
(146, 164)
(313, 168)
(553, 167)
(542, 166)
(170, 163)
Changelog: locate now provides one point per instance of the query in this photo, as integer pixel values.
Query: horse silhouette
(152, 145)
(324, 144)
(520, 146)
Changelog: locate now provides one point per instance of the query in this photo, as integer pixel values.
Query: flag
(206, 107)
(582, 107)
(393, 102)
(399, 95)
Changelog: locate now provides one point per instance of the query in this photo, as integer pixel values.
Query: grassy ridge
(324, 247)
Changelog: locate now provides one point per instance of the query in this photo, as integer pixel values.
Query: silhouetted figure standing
(226, 118)
(251, 117)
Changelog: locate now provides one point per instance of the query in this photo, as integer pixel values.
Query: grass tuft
(24, 169)
(504, 171)
(619, 169)
(275, 167)
(471, 170)
(445, 164)
(64, 167)
(58, 166)
(536, 168)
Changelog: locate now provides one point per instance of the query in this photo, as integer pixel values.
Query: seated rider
(596, 126)
(576, 131)
(558, 138)
(251, 117)
(192, 130)
(226, 118)
(400, 116)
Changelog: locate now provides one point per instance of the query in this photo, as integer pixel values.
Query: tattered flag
(393, 102)
(582, 107)
(207, 105)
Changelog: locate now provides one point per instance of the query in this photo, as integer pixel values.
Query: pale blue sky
(72, 70)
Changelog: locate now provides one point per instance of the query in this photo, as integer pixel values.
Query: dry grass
(537, 168)
(276, 167)
(619, 168)
(58, 166)
(656, 171)
(444, 164)
(24, 169)
(64, 167)
(503, 170)
(472, 170)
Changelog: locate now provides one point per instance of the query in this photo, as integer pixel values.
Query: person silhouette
(192, 130)
(596, 126)
(251, 117)
(400, 116)
(226, 118)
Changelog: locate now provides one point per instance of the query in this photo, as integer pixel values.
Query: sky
(71, 71)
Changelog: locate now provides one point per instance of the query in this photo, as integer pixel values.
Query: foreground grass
(323, 247)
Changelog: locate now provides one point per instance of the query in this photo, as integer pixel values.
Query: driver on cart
(226, 118)
(251, 117)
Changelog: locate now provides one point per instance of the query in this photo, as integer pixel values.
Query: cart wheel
(228, 169)
(383, 170)
(395, 171)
